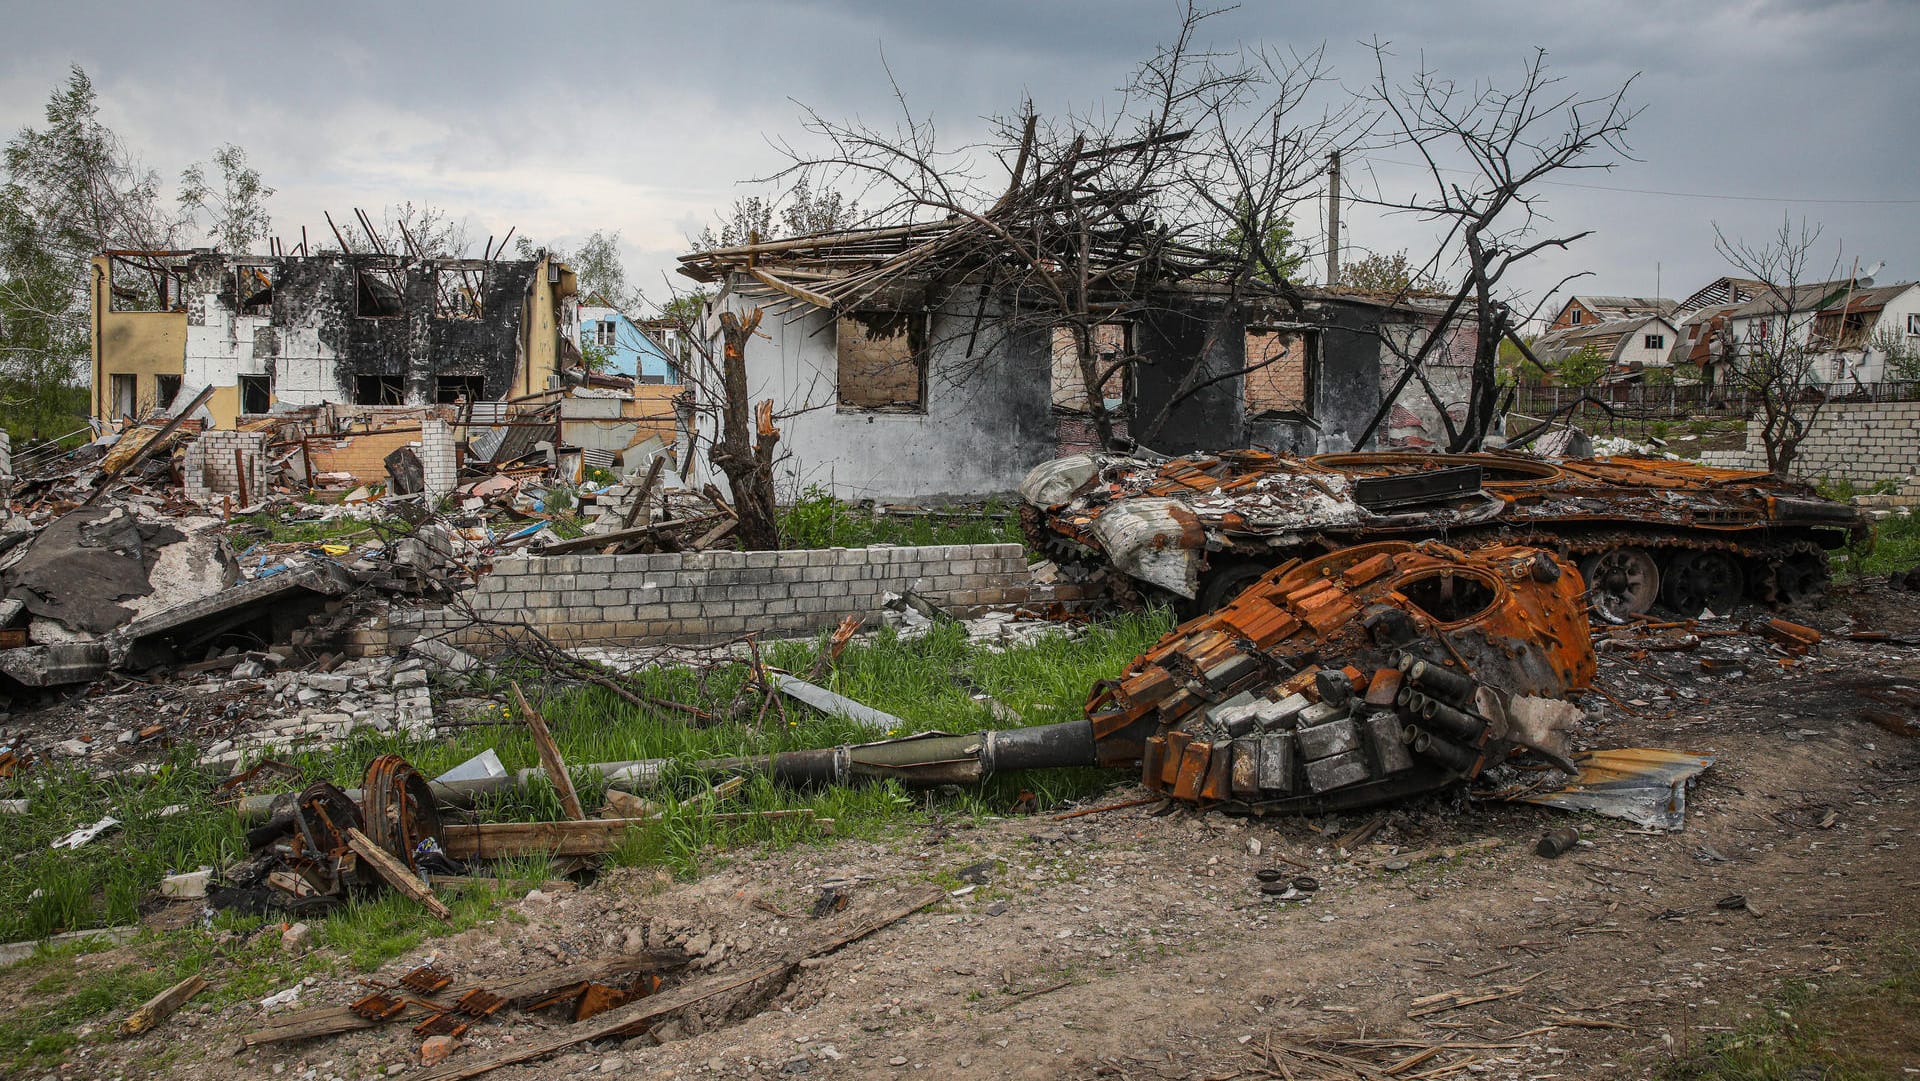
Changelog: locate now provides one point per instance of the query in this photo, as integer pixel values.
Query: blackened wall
(313, 340)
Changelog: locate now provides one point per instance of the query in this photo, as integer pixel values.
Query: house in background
(629, 348)
(935, 385)
(1631, 345)
(330, 328)
(1583, 311)
(1854, 334)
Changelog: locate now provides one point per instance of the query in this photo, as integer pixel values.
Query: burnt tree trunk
(744, 451)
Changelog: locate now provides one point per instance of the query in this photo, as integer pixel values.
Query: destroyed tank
(1201, 527)
(1371, 674)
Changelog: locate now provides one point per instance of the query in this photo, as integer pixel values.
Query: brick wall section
(1864, 442)
(712, 596)
(210, 468)
(438, 464)
(364, 456)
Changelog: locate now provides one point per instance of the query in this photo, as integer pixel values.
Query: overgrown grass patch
(170, 823)
(1839, 1030)
(1895, 550)
(818, 520)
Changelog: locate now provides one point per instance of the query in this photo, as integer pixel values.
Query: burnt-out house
(933, 387)
(347, 329)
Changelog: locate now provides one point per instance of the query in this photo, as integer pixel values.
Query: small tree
(1581, 369)
(1775, 364)
(1378, 273)
(1902, 358)
(237, 211)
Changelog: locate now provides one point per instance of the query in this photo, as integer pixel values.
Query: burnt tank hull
(1644, 531)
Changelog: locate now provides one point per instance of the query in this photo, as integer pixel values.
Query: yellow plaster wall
(141, 344)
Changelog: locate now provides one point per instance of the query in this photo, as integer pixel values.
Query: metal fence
(1639, 401)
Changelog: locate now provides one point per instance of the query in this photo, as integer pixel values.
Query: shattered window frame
(450, 389)
(1066, 387)
(373, 284)
(146, 281)
(1261, 394)
(250, 386)
(166, 388)
(250, 281)
(916, 327)
(382, 387)
(459, 291)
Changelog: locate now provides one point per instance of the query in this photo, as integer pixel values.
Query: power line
(1677, 194)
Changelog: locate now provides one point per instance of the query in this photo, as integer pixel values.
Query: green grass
(817, 520)
(1845, 1030)
(107, 882)
(338, 529)
(43, 891)
(1895, 549)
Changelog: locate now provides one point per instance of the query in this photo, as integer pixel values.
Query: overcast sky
(559, 119)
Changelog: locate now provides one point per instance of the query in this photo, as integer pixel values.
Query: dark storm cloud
(565, 118)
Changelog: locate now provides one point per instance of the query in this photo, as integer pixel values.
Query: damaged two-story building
(940, 383)
(341, 328)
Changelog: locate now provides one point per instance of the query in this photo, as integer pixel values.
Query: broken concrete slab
(85, 561)
(282, 603)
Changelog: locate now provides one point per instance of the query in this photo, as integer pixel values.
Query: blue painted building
(630, 351)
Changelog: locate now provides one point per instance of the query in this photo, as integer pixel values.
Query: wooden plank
(153, 444)
(333, 1020)
(162, 1006)
(587, 837)
(550, 759)
(639, 1016)
(395, 873)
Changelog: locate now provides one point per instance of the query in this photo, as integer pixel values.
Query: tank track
(1792, 559)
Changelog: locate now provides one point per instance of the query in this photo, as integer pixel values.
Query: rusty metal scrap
(1643, 530)
(1375, 673)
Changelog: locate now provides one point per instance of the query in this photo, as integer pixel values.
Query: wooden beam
(395, 873)
(333, 1020)
(593, 836)
(550, 759)
(639, 1016)
(162, 1006)
(797, 292)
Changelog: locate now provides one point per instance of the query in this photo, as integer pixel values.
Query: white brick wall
(211, 468)
(441, 471)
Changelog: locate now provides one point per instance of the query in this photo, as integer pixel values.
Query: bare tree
(1775, 360)
(1486, 149)
(1096, 217)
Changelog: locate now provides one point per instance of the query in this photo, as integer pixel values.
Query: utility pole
(1333, 219)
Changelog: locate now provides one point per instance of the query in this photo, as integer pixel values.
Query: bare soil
(1124, 944)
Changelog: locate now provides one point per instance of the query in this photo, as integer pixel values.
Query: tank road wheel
(1696, 582)
(1223, 585)
(1800, 576)
(1621, 582)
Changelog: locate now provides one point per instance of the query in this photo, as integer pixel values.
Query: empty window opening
(378, 294)
(1656, 341)
(604, 333)
(166, 389)
(124, 395)
(883, 361)
(1449, 597)
(1282, 372)
(458, 293)
(253, 290)
(372, 388)
(449, 389)
(1573, 316)
(1913, 323)
(256, 394)
(652, 380)
(1111, 345)
(146, 283)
